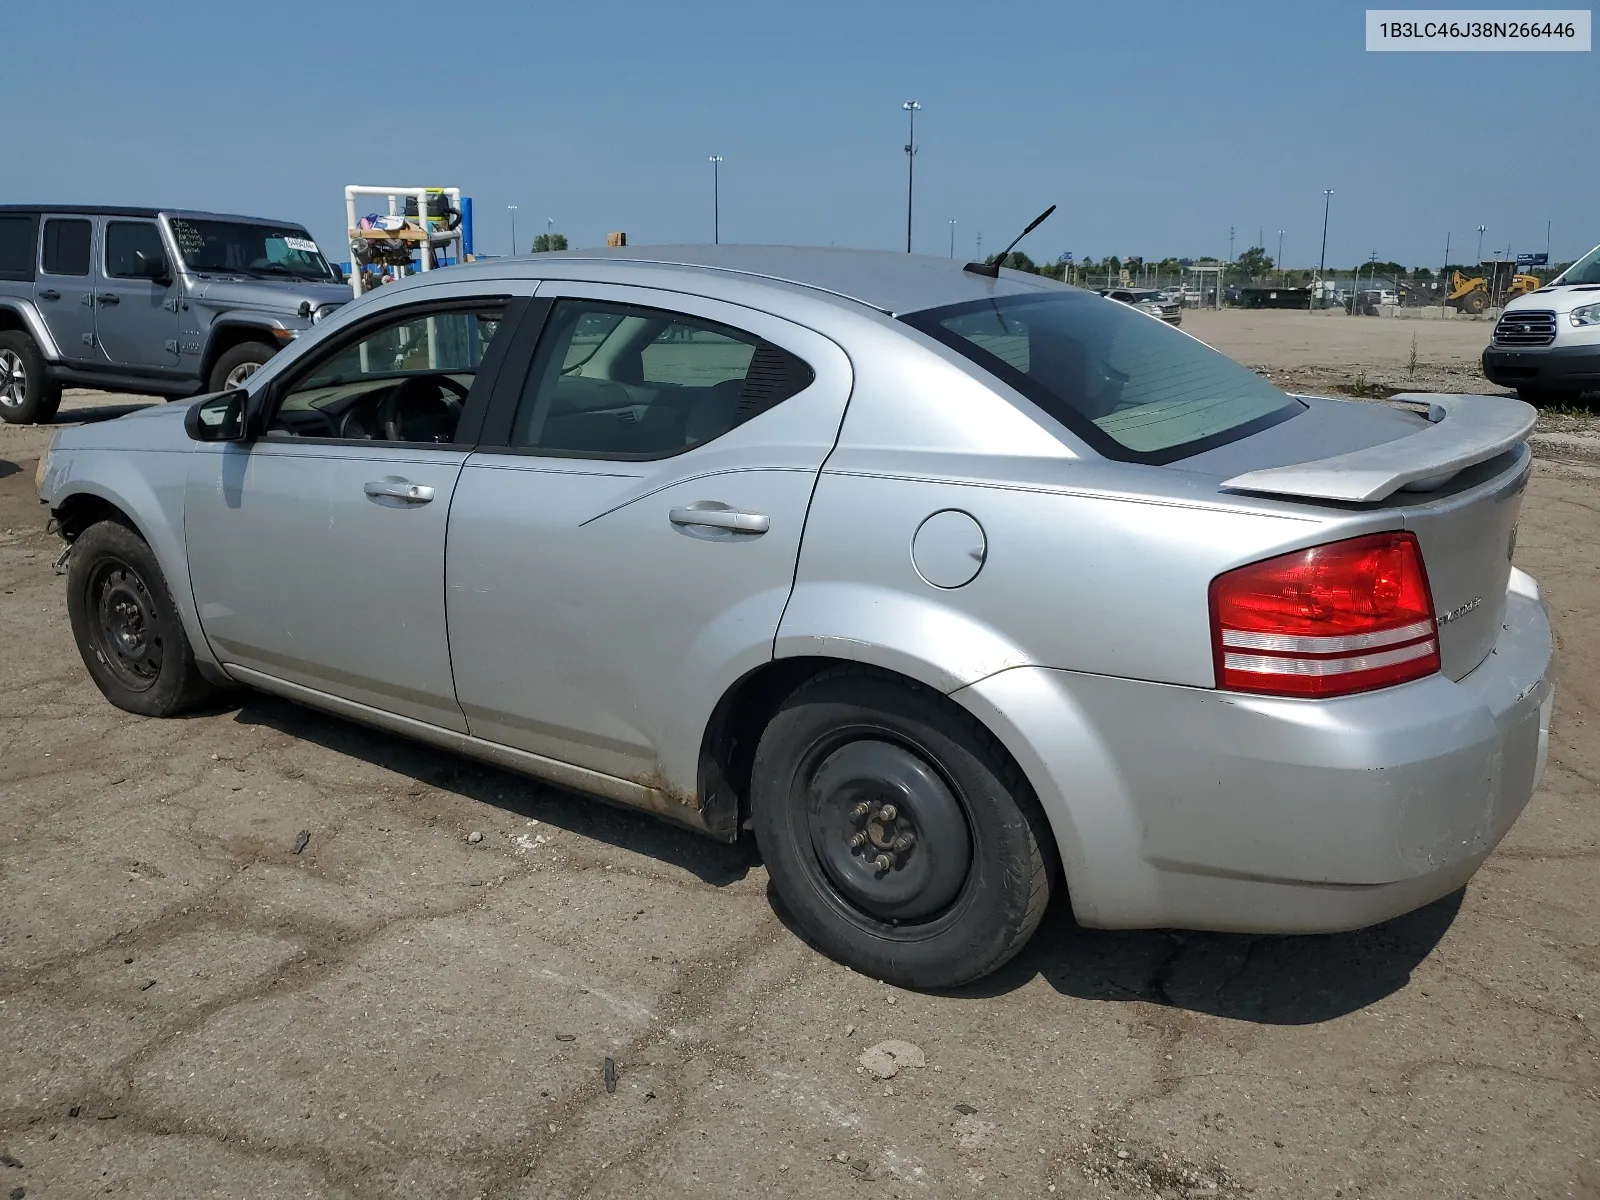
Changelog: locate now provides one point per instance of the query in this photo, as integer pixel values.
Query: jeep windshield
(250, 248)
(1132, 387)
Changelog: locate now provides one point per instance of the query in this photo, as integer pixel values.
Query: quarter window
(619, 381)
(130, 247)
(19, 234)
(406, 381)
(66, 247)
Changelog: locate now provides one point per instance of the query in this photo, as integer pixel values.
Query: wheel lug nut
(882, 862)
(860, 811)
(888, 813)
(858, 841)
(904, 842)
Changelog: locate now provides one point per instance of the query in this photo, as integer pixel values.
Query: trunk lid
(1455, 478)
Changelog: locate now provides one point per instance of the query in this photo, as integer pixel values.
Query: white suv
(1547, 343)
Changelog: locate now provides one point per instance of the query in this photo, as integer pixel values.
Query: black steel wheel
(899, 835)
(126, 635)
(126, 625)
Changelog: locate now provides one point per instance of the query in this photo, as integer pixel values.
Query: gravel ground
(189, 1008)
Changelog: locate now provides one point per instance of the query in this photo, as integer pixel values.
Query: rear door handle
(49, 294)
(110, 298)
(721, 518)
(388, 489)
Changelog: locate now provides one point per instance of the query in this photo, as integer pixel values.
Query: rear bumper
(1554, 366)
(1200, 809)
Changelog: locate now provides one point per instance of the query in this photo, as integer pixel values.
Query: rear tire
(27, 397)
(126, 625)
(969, 852)
(1475, 302)
(237, 365)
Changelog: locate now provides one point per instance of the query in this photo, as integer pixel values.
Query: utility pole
(1230, 243)
(980, 245)
(513, 209)
(1283, 277)
(911, 107)
(1547, 263)
(716, 199)
(1481, 228)
(1322, 263)
(952, 237)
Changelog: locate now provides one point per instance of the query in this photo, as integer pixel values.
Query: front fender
(147, 488)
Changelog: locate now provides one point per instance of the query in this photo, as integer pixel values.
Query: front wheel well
(225, 339)
(728, 747)
(78, 512)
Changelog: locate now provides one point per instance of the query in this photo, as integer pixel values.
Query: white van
(1547, 343)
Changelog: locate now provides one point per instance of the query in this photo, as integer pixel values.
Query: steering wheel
(415, 397)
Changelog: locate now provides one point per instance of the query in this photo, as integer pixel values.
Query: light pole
(716, 199)
(513, 210)
(1481, 228)
(952, 237)
(911, 107)
(1547, 245)
(1283, 275)
(1322, 263)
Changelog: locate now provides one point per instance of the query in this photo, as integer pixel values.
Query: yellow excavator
(1498, 281)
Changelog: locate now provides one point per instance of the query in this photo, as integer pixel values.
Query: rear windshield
(1129, 384)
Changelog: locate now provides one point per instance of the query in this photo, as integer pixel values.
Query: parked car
(961, 592)
(1148, 300)
(1546, 343)
(163, 302)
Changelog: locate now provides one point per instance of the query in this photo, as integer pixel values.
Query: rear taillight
(1346, 617)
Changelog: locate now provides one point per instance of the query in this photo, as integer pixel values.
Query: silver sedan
(963, 591)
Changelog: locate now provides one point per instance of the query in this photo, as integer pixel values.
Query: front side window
(66, 247)
(249, 248)
(133, 250)
(618, 381)
(405, 381)
(1130, 385)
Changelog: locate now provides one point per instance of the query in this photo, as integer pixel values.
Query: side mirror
(219, 419)
(153, 267)
(338, 272)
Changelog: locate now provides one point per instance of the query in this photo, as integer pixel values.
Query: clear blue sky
(1154, 126)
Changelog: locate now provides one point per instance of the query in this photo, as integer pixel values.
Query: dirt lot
(1330, 353)
(188, 1008)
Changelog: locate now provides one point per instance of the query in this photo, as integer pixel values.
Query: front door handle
(388, 489)
(110, 298)
(49, 294)
(721, 518)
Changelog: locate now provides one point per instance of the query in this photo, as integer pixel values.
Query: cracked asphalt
(190, 1009)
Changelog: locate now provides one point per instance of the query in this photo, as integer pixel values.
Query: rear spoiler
(1462, 431)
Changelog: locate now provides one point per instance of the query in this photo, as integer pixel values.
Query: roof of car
(889, 282)
(118, 210)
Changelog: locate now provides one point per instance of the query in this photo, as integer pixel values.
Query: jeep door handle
(387, 489)
(721, 518)
(110, 298)
(49, 294)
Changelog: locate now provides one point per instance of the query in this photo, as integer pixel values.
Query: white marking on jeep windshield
(299, 243)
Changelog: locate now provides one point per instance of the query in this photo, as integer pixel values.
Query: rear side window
(19, 239)
(66, 247)
(1124, 381)
(618, 381)
(128, 243)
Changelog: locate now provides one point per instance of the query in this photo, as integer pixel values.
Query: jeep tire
(27, 397)
(239, 363)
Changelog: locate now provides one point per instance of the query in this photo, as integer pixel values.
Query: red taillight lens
(1346, 617)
